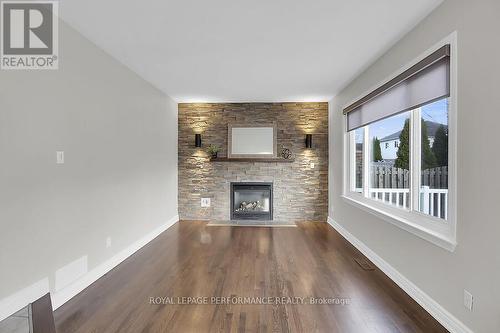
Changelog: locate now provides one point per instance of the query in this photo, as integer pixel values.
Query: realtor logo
(29, 35)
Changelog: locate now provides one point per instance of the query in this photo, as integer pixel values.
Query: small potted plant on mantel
(213, 150)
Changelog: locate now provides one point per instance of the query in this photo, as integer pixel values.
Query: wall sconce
(309, 141)
(197, 140)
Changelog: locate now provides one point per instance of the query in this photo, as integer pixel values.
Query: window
(433, 196)
(390, 174)
(410, 183)
(357, 184)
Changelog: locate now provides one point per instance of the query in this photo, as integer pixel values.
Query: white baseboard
(64, 295)
(450, 322)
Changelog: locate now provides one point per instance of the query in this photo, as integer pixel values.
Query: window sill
(441, 239)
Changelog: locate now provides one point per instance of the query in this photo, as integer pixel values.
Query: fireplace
(251, 201)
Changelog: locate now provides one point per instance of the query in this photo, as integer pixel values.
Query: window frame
(435, 230)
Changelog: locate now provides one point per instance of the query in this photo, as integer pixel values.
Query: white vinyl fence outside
(432, 201)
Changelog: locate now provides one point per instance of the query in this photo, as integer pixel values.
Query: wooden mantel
(253, 159)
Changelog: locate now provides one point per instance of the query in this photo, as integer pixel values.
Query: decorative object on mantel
(285, 153)
(309, 141)
(197, 140)
(213, 150)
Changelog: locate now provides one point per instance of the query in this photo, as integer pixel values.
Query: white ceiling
(246, 51)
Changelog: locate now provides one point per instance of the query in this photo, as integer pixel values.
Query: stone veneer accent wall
(300, 193)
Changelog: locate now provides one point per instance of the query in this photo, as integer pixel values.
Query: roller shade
(425, 82)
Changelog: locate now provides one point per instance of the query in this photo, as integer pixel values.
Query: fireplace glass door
(251, 201)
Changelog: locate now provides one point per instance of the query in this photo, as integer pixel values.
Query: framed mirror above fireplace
(255, 141)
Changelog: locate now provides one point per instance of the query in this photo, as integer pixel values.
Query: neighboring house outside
(389, 145)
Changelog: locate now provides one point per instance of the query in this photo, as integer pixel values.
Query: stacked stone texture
(300, 193)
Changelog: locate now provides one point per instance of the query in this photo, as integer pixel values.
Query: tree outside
(428, 157)
(377, 151)
(440, 147)
(403, 154)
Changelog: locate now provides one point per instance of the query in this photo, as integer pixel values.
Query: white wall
(119, 135)
(475, 264)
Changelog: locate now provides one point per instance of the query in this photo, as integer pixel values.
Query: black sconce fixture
(197, 140)
(309, 140)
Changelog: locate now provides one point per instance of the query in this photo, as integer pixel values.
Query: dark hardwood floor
(191, 259)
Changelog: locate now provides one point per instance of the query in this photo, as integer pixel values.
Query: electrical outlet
(312, 165)
(205, 202)
(59, 157)
(108, 242)
(468, 300)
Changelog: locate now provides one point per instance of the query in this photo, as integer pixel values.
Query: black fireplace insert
(251, 201)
